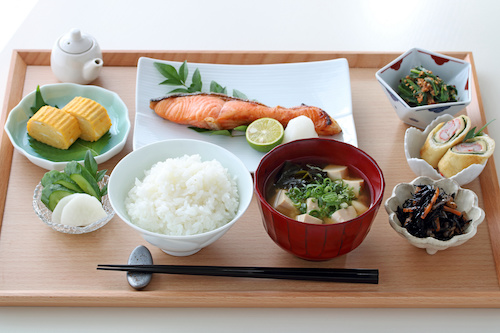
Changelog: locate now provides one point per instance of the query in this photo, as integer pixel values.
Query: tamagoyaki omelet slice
(54, 127)
(93, 118)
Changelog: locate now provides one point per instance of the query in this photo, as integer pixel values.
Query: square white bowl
(453, 71)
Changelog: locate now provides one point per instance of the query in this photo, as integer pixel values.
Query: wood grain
(13, 95)
(41, 267)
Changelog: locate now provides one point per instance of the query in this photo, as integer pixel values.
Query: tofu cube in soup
(359, 206)
(336, 171)
(342, 215)
(306, 218)
(357, 184)
(312, 204)
(284, 204)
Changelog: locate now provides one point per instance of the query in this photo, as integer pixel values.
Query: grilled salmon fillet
(217, 111)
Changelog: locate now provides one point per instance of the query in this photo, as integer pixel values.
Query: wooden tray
(41, 267)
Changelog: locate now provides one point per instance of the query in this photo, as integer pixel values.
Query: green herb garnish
(330, 195)
(179, 77)
(76, 151)
(241, 128)
(422, 87)
(303, 182)
(472, 133)
(39, 102)
(74, 179)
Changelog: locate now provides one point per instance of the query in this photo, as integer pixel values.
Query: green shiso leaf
(76, 152)
(39, 102)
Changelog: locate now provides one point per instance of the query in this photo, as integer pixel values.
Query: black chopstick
(347, 275)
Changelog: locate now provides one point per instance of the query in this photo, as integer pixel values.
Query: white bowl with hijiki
(448, 218)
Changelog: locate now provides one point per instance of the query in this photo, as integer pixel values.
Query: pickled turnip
(79, 209)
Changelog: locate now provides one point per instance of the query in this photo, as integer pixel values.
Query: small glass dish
(46, 215)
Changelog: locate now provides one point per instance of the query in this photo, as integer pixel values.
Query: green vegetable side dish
(74, 179)
(76, 151)
(422, 87)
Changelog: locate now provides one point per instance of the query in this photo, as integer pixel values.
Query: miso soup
(318, 193)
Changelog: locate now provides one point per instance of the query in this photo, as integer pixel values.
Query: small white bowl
(415, 139)
(466, 201)
(46, 215)
(452, 70)
(60, 94)
(133, 165)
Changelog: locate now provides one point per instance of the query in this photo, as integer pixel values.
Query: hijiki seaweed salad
(431, 212)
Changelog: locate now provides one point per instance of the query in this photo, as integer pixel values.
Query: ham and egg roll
(474, 151)
(443, 137)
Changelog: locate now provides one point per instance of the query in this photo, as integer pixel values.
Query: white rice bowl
(183, 196)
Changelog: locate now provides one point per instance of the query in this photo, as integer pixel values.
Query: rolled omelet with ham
(444, 136)
(473, 151)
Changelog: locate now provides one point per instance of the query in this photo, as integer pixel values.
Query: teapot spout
(91, 69)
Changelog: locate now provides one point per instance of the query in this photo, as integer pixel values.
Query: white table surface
(314, 25)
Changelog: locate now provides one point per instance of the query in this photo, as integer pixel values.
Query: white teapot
(76, 58)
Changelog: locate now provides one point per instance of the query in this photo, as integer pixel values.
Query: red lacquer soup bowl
(318, 241)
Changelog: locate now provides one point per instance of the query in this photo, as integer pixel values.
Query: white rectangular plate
(324, 84)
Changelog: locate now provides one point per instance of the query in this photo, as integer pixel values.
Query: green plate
(59, 95)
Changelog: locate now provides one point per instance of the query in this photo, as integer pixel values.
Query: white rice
(183, 196)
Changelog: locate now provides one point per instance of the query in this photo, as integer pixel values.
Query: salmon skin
(217, 112)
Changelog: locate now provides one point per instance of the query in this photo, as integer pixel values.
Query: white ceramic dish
(452, 70)
(325, 84)
(466, 201)
(60, 94)
(46, 215)
(133, 165)
(415, 139)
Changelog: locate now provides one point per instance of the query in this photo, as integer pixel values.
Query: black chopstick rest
(346, 275)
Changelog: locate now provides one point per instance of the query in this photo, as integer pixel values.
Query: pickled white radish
(301, 127)
(79, 209)
(56, 214)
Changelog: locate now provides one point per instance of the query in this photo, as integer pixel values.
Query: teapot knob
(75, 42)
(75, 35)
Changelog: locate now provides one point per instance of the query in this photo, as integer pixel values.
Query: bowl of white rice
(181, 195)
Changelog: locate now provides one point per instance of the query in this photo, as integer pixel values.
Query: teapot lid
(75, 42)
